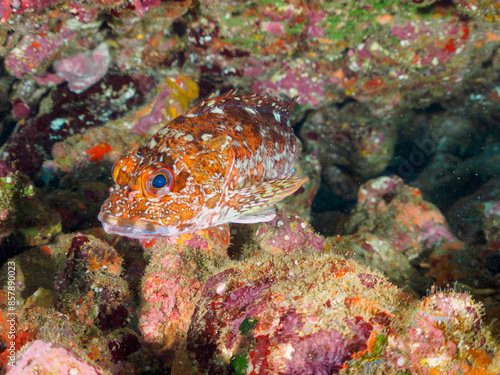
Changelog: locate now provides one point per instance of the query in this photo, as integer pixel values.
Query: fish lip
(132, 228)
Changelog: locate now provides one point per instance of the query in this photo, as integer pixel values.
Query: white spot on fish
(206, 137)
(277, 116)
(250, 110)
(217, 110)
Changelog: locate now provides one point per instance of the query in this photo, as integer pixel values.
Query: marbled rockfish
(229, 159)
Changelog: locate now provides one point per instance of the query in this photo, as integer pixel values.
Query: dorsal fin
(255, 102)
(209, 103)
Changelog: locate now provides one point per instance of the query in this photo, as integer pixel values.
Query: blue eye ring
(158, 181)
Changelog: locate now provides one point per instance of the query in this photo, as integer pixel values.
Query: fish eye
(158, 181)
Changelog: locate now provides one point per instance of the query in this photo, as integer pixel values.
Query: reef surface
(385, 261)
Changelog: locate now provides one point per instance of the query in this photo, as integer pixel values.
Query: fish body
(229, 159)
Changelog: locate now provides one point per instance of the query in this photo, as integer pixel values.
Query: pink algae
(40, 357)
(84, 70)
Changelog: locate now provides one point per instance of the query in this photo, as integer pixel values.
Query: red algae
(97, 152)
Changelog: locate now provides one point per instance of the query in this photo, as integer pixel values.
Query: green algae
(247, 326)
(353, 22)
(238, 364)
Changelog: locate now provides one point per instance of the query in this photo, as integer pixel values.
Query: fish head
(160, 197)
(134, 206)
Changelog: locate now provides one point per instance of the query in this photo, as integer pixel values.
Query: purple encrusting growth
(296, 79)
(28, 59)
(287, 233)
(158, 112)
(5, 168)
(84, 70)
(433, 235)
(40, 356)
(369, 280)
(324, 352)
(299, 314)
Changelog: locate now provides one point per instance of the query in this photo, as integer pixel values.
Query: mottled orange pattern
(228, 159)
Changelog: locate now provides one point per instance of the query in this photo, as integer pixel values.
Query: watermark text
(11, 313)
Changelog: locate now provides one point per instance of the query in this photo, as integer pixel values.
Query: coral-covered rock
(51, 359)
(387, 57)
(397, 212)
(290, 79)
(485, 9)
(288, 314)
(33, 52)
(407, 87)
(378, 252)
(156, 42)
(491, 222)
(13, 335)
(88, 310)
(172, 283)
(22, 210)
(8, 183)
(325, 314)
(284, 234)
(90, 288)
(444, 333)
(44, 260)
(394, 228)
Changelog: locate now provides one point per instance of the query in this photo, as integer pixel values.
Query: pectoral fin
(255, 203)
(262, 216)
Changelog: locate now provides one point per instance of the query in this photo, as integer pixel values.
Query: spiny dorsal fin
(255, 102)
(209, 103)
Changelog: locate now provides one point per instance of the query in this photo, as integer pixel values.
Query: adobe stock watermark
(425, 148)
(11, 313)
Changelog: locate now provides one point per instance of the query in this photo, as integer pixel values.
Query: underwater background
(387, 261)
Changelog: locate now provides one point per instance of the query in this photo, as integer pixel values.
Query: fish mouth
(132, 228)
